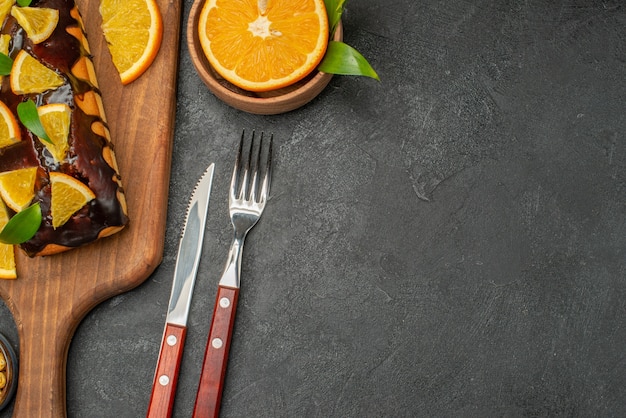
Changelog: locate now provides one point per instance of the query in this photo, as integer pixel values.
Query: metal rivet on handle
(224, 302)
(171, 340)
(164, 380)
(217, 343)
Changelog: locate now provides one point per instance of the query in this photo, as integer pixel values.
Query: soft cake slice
(90, 157)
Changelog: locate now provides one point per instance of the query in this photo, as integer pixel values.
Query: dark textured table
(450, 241)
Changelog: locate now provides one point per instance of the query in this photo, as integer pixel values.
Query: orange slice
(68, 195)
(17, 187)
(30, 76)
(262, 45)
(5, 8)
(55, 119)
(133, 30)
(38, 22)
(7, 264)
(7, 253)
(5, 39)
(9, 129)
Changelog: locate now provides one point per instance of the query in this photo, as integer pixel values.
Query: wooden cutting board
(53, 294)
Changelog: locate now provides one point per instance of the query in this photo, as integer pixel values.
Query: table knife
(189, 250)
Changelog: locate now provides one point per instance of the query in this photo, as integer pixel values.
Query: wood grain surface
(53, 294)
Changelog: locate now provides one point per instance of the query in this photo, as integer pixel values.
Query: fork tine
(243, 191)
(251, 180)
(234, 182)
(255, 177)
(265, 189)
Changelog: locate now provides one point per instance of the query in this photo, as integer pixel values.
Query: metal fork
(249, 191)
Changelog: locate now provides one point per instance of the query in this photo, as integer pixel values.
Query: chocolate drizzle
(85, 159)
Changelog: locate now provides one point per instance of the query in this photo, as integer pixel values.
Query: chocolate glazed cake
(90, 157)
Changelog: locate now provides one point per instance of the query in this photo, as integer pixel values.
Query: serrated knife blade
(187, 261)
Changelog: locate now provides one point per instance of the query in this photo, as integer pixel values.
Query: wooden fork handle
(211, 384)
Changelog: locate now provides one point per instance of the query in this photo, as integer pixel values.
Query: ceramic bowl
(9, 372)
(263, 103)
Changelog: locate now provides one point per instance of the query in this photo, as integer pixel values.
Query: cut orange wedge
(133, 30)
(17, 187)
(262, 45)
(38, 22)
(5, 39)
(7, 253)
(5, 8)
(30, 76)
(55, 119)
(7, 262)
(9, 129)
(68, 195)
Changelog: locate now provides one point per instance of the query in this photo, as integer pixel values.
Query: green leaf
(6, 63)
(334, 10)
(23, 3)
(22, 226)
(27, 112)
(342, 59)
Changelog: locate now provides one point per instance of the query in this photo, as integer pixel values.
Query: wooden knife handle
(216, 355)
(166, 375)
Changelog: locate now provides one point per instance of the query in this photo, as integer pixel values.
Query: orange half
(262, 45)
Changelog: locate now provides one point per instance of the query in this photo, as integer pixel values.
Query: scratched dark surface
(448, 242)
